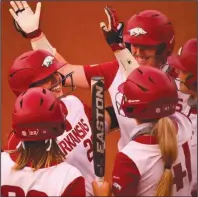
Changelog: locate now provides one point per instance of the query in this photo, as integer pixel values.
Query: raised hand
(114, 32)
(25, 20)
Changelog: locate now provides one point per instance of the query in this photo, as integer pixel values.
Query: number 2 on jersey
(88, 143)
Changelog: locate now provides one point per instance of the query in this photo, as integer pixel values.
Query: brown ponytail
(166, 136)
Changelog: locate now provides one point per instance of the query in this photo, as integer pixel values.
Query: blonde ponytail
(166, 136)
(35, 152)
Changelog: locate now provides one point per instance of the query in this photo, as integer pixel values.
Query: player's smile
(53, 83)
(57, 88)
(144, 54)
(141, 59)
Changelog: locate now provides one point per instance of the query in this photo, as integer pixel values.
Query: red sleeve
(108, 70)
(126, 176)
(75, 188)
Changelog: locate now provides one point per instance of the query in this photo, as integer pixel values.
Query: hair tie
(19, 144)
(50, 144)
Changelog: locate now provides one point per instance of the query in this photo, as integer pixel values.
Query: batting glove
(25, 20)
(114, 32)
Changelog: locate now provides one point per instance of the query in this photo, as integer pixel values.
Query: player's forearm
(111, 119)
(42, 42)
(79, 77)
(126, 60)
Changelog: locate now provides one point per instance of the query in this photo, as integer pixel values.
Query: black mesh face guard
(67, 81)
(119, 99)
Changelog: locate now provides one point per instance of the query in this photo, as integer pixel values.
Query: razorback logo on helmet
(48, 61)
(137, 31)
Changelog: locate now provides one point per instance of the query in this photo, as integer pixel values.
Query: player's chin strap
(145, 131)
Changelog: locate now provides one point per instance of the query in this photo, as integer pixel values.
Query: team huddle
(154, 105)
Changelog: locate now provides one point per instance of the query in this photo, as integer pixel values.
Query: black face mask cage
(64, 80)
(120, 99)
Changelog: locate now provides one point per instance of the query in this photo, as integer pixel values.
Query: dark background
(73, 28)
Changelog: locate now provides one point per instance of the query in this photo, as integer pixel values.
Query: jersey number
(179, 174)
(88, 143)
(179, 108)
(7, 190)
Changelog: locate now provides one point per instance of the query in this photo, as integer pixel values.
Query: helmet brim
(141, 40)
(50, 71)
(175, 62)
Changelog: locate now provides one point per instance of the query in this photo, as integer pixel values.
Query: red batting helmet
(148, 93)
(189, 47)
(37, 115)
(188, 63)
(150, 27)
(31, 67)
